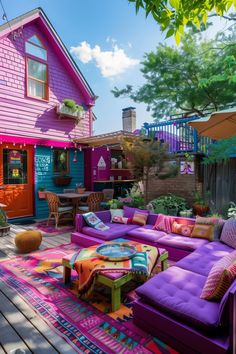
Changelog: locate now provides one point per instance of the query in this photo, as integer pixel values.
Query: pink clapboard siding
(33, 118)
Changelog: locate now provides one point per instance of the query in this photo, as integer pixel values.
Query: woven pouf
(28, 241)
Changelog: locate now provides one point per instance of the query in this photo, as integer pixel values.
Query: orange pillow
(182, 229)
(203, 231)
(140, 218)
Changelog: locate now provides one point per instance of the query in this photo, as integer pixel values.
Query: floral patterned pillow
(93, 221)
(181, 229)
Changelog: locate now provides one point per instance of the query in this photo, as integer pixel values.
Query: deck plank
(33, 339)
(9, 338)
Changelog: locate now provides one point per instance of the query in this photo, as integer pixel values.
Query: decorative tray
(116, 251)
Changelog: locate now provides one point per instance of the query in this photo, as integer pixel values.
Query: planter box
(63, 111)
(41, 194)
(4, 231)
(62, 180)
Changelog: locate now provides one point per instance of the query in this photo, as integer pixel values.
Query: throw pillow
(116, 212)
(93, 221)
(203, 231)
(182, 229)
(121, 220)
(218, 224)
(140, 218)
(220, 278)
(163, 223)
(228, 234)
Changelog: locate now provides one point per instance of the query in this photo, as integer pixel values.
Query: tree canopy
(174, 15)
(198, 75)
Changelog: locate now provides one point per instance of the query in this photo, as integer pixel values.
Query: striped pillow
(228, 234)
(140, 218)
(220, 278)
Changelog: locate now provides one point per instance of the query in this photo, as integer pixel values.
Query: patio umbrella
(219, 125)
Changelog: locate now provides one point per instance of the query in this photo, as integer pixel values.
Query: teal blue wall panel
(44, 176)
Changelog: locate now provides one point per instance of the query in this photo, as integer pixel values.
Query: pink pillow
(163, 223)
(228, 234)
(220, 278)
(121, 220)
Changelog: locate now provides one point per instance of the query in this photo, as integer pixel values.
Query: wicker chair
(93, 203)
(56, 210)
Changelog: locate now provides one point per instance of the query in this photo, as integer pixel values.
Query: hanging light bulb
(20, 146)
(108, 148)
(35, 146)
(51, 147)
(92, 148)
(4, 17)
(24, 144)
(75, 156)
(80, 148)
(65, 148)
(14, 144)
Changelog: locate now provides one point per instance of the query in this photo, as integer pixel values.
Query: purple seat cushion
(202, 260)
(177, 291)
(146, 233)
(183, 242)
(114, 231)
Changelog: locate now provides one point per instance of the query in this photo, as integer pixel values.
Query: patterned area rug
(50, 229)
(37, 277)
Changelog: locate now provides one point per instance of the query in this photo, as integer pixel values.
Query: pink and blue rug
(37, 278)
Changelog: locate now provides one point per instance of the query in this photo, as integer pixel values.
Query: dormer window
(36, 66)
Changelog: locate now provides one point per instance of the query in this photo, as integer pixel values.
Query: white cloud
(111, 63)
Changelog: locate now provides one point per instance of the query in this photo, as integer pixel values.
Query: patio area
(21, 327)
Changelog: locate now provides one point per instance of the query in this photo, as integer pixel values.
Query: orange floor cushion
(28, 241)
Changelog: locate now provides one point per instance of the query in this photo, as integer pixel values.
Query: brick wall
(181, 185)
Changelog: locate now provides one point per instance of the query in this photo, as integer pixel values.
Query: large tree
(174, 15)
(191, 78)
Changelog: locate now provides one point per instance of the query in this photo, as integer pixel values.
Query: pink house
(36, 128)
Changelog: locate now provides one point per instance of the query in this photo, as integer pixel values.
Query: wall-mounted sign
(14, 157)
(186, 167)
(101, 164)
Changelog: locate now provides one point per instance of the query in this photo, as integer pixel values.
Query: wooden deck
(20, 327)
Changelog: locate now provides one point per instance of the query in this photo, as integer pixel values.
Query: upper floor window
(37, 75)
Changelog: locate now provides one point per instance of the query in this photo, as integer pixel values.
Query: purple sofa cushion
(183, 242)
(146, 233)
(152, 219)
(202, 260)
(115, 231)
(177, 291)
(129, 212)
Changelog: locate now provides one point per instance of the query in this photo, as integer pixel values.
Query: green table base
(114, 284)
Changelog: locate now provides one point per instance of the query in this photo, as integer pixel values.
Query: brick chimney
(129, 119)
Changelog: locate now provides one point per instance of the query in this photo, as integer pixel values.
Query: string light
(65, 148)
(108, 148)
(92, 148)
(51, 147)
(20, 146)
(24, 144)
(80, 148)
(35, 146)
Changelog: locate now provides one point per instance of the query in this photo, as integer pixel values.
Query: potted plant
(41, 192)
(80, 188)
(69, 108)
(115, 204)
(62, 180)
(4, 226)
(200, 205)
(186, 213)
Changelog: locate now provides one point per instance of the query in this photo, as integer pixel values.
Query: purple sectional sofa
(177, 246)
(169, 304)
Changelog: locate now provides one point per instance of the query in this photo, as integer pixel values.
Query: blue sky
(109, 41)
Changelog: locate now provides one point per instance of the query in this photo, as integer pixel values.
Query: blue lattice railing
(179, 136)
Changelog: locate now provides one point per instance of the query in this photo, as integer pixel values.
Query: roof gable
(41, 18)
